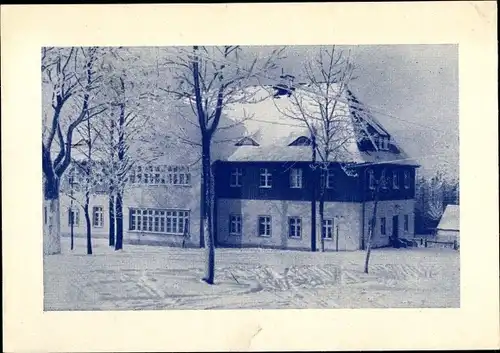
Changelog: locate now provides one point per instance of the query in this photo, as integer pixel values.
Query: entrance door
(395, 227)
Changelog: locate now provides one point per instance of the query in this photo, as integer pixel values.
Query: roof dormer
(301, 141)
(246, 141)
(382, 142)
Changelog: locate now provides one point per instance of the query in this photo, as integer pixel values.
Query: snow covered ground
(152, 277)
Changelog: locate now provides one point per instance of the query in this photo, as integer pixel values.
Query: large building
(265, 184)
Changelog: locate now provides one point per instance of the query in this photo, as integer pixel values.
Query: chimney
(285, 86)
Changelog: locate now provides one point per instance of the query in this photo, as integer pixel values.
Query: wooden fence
(438, 244)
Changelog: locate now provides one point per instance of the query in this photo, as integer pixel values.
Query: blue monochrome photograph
(250, 177)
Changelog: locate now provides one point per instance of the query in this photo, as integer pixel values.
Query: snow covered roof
(273, 131)
(450, 220)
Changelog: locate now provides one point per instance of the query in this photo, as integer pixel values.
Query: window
(73, 217)
(406, 222)
(246, 141)
(383, 143)
(395, 180)
(159, 221)
(296, 178)
(383, 180)
(327, 230)
(235, 224)
(382, 225)
(265, 178)
(97, 216)
(139, 175)
(148, 175)
(407, 179)
(264, 226)
(301, 141)
(294, 227)
(386, 143)
(178, 175)
(160, 175)
(44, 214)
(330, 179)
(371, 180)
(157, 175)
(236, 175)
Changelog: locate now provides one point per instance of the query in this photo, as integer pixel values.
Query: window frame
(160, 174)
(270, 226)
(383, 226)
(152, 221)
(297, 226)
(371, 179)
(395, 180)
(383, 180)
(268, 177)
(231, 224)
(99, 224)
(406, 223)
(236, 172)
(331, 227)
(76, 218)
(406, 179)
(329, 175)
(296, 178)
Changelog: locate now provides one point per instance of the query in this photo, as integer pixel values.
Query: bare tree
(131, 94)
(321, 105)
(208, 80)
(436, 196)
(70, 79)
(378, 185)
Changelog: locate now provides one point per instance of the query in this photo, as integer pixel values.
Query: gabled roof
(246, 141)
(450, 220)
(274, 132)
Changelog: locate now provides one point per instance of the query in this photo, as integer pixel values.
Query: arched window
(246, 141)
(301, 141)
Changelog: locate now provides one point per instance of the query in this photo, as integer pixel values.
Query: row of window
(266, 179)
(264, 226)
(97, 217)
(144, 220)
(383, 226)
(385, 182)
(177, 222)
(159, 221)
(160, 175)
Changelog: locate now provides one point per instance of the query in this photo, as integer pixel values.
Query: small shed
(448, 228)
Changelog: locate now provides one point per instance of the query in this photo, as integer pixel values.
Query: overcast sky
(415, 84)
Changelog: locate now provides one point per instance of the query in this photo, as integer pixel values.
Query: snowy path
(144, 277)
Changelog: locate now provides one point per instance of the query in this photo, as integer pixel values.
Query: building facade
(160, 204)
(265, 184)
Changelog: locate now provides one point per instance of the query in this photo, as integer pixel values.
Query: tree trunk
(119, 221)
(52, 230)
(87, 223)
(208, 212)
(72, 221)
(121, 159)
(322, 217)
(111, 213)
(313, 192)
(372, 230)
(202, 211)
(111, 196)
